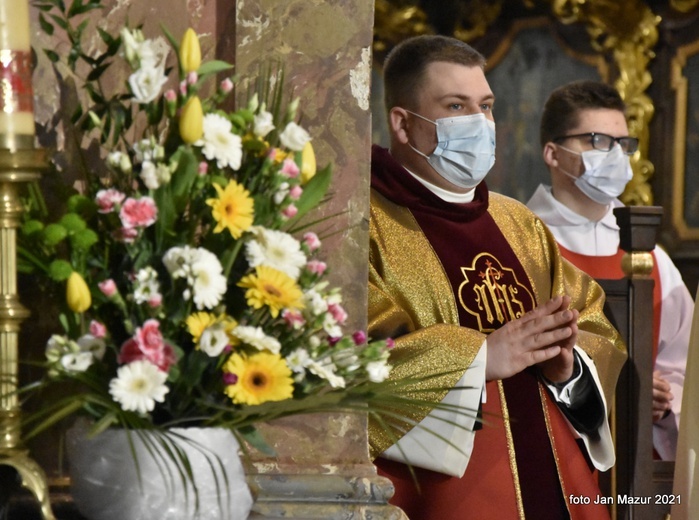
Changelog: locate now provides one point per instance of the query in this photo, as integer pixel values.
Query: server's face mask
(606, 173)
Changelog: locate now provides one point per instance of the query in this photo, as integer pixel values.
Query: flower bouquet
(190, 282)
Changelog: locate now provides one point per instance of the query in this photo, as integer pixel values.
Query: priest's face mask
(457, 132)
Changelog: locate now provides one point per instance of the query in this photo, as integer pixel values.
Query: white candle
(16, 96)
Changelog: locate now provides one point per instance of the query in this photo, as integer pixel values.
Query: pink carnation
(108, 287)
(290, 211)
(130, 351)
(170, 95)
(148, 344)
(126, 235)
(226, 85)
(98, 329)
(337, 312)
(290, 169)
(203, 168)
(138, 212)
(295, 192)
(316, 266)
(107, 200)
(359, 337)
(149, 337)
(311, 241)
(293, 318)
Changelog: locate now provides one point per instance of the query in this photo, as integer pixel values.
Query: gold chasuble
(442, 276)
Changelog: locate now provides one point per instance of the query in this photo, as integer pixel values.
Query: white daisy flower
(213, 340)
(276, 249)
(138, 386)
(256, 337)
(218, 142)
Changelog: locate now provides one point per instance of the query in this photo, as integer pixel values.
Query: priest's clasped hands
(544, 336)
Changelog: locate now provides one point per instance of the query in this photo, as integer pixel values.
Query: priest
(485, 314)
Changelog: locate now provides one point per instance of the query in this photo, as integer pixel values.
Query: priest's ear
(398, 122)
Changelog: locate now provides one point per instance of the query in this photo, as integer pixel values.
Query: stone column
(322, 468)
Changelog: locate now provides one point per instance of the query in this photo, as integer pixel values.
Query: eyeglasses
(604, 142)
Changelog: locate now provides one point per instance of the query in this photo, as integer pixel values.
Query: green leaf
(52, 56)
(183, 179)
(79, 7)
(63, 24)
(97, 72)
(253, 437)
(213, 67)
(314, 191)
(45, 26)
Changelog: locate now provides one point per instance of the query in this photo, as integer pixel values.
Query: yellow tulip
(190, 51)
(308, 163)
(192, 120)
(77, 293)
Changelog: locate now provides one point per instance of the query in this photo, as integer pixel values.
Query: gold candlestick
(17, 167)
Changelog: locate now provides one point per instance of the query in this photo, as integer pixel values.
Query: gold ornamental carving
(396, 20)
(628, 31)
(684, 6)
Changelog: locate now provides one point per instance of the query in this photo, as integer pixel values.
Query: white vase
(105, 482)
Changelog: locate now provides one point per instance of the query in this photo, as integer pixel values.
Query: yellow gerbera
(258, 378)
(198, 322)
(233, 209)
(268, 286)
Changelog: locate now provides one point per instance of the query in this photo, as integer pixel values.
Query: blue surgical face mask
(606, 173)
(465, 150)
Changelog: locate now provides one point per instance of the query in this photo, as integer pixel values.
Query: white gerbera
(256, 337)
(138, 386)
(178, 261)
(276, 249)
(213, 340)
(208, 282)
(218, 142)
